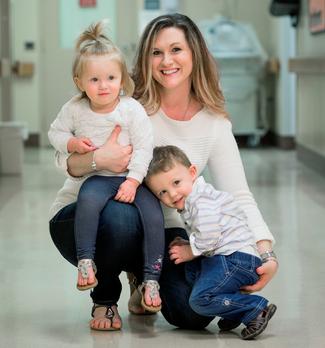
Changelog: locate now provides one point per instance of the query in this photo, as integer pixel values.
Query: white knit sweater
(77, 119)
(208, 141)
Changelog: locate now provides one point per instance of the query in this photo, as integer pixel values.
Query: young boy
(218, 231)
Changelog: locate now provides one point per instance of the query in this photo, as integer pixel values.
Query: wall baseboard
(311, 159)
(270, 139)
(280, 141)
(33, 140)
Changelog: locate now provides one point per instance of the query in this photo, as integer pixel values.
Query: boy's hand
(179, 241)
(80, 145)
(127, 191)
(181, 253)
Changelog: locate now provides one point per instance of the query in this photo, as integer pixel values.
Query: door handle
(23, 69)
(5, 67)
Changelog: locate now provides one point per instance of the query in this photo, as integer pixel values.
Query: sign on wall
(316, 16)
(87, 3)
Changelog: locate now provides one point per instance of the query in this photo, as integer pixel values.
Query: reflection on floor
(41, 308)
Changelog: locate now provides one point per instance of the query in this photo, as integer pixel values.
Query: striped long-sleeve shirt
(214, 222)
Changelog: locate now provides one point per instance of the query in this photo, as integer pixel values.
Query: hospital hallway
(40, 306)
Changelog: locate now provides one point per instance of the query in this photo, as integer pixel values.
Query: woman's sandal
(109, 314)
(153, 292)
(83, 266)
(134, 303)
(258, 325)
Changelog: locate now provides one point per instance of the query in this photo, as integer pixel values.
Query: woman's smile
(169, 71)
(172, 59)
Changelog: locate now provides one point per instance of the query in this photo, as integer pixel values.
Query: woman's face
(172, 59)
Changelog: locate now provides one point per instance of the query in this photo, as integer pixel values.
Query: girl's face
(172, 61)
(101, 81)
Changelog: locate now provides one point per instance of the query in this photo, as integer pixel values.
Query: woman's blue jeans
(119, 248)
(216, 284)
(94, 194)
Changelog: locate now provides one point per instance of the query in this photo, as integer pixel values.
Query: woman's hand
(266, 273)
(111, 156)
(180, 250)
(178, 241)
(181, 253)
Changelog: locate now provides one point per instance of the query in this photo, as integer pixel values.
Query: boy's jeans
(216, 286)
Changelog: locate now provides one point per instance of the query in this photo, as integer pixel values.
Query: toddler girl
(84, 124)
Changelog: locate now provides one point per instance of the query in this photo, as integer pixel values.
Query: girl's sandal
(109, 314)
(83, 266)
(154, 292)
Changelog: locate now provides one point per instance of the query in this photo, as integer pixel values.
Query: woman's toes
(101, 322)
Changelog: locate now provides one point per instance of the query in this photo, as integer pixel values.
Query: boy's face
(174, 186)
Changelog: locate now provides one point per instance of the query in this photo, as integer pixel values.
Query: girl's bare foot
(86, 274)
(105, 318)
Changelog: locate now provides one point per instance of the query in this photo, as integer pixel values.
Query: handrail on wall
(307, 65)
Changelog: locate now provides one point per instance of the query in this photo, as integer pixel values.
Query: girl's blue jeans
(94, 194)
(216, 285)
(119, 248)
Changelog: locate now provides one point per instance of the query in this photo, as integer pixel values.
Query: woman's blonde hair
(93, 42)
(205, 78)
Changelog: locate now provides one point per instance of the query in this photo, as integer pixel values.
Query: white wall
(310, 90)
(285, 96)
(56, 61)
(26, 90)
(255, 12)
(38, 99)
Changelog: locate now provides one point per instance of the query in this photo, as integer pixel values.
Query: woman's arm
(266, 271)
(141, 138)
(111, 156)
(227, 172)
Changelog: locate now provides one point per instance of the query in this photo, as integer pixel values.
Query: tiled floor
(39, 306)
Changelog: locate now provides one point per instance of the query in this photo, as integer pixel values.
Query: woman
(177, 83)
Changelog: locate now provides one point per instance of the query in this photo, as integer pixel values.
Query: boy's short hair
(164, 159)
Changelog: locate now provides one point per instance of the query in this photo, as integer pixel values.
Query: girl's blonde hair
(93, 42)
(205, 78)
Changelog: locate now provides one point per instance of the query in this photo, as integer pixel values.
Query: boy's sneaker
(259, 324)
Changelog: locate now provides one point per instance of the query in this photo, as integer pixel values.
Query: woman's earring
(121, 92)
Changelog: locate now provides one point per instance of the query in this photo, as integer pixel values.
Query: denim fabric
(94, 193)
(119, 246)
(119, 249)
(175, 291)
(216, 284)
